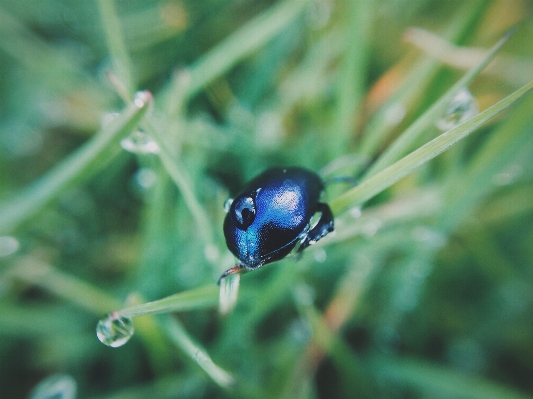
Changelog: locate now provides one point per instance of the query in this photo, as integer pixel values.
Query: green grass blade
(442, 382)
(241, 43)
(33, 271)
(117, 49)
(418, 80)
(380, 181)
(79, 166)
(197, 298)
(177, 172)
(351, 82)
(464, 192)
(181, 338)
(402, 144)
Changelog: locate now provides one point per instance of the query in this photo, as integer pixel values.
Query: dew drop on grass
(139, 143)
(141, 98)
(145, 178)
(227, 204)
(57, 386)
(114, 330)
(8, 245)
(462, 107)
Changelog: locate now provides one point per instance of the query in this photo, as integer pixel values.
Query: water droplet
(139, 143)
(145, 178)
(8, 245)
(371, 227)
(141, 98)
(107, 118)
(57, 386)
(114, 330)
(395, 114)
(269, 129)
(227, 204)
(211, 252)
(429, 236)
(462, 107)
(304, 294)
(301, 331)
(320, 255)
(355, 212)
(319, 13)
(508, 176)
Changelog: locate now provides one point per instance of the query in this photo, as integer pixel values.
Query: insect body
(273, 215)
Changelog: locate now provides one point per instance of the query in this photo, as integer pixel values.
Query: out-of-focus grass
(425, 291)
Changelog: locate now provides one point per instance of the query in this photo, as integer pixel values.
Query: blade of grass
(401, 145)
(34, 271)
(351, 80)
(351, 368)
(79, 166)
(198, 298)
(464, 192)
(440, 381)
(380, 181)
(240, 44)
(117, 49)
(181, 338)
(177, 172)
(414, 86)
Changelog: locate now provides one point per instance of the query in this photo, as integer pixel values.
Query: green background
(424, 291)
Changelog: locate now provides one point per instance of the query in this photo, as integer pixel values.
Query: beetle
(272, 217)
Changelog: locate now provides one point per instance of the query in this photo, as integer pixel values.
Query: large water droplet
(140, 143)
(462, 107)
(57, 386)
(114, 330)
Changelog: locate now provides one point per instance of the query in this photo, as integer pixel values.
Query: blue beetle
(272, 216)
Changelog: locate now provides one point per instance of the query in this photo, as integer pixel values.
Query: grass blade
(402, 143)
(380, 181)
(79, 166)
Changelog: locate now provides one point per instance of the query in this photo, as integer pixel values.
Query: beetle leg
(237, 269)
(322, 228)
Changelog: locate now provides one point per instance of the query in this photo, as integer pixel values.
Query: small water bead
(304, 294)
(145, 178)
(508, 176)
(141, 98)
(355, 212)
(8, 245)
(319, 13)
(57, 386)
(114, 330)
(107, 118)
(462, 107)
(140, 143)
(227, 204)
(320, 255)
(394, 114)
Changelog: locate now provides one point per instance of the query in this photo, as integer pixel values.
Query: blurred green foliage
(425, 291)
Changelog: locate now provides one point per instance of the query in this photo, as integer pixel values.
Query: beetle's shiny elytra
(272, 216)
